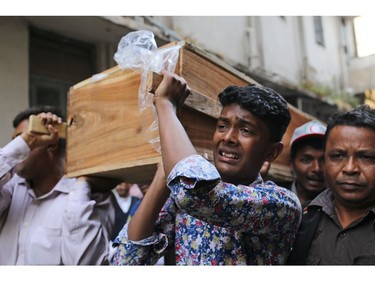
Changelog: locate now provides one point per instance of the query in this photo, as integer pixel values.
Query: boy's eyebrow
(246, 122)
(220, 118)
(240, 120)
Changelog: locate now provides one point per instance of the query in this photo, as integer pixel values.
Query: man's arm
(150, 231)
(12, 154)
(175, 145)
(142, 224)
(174, 141)
(87, 225)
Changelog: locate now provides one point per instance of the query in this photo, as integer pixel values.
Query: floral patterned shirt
(211, 222)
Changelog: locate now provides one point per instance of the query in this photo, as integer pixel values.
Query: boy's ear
(274, 150)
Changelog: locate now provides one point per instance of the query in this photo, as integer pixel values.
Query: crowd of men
(196, 212)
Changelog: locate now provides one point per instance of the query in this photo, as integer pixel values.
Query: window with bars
(56, 64)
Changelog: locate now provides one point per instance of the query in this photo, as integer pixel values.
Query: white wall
(14, 87)
(223, 35)
(324, 63)
(362, 74)
(281, 48)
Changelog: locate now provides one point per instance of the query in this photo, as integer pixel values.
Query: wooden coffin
(105, 135)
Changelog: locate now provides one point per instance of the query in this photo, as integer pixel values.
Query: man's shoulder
(16, 180)
(324, 200)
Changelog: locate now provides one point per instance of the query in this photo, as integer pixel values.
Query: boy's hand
(173, 88)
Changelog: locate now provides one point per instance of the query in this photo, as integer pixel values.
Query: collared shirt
(293, 187)
(333, 245)
(123, 202)
(68, 225)
(211, 222)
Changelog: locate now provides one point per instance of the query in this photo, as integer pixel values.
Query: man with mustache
(338, 225)
(306, 160)
(222, 214)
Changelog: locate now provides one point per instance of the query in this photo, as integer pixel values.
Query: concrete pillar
(14, 73)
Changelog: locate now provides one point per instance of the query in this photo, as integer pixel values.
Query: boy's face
(241, 145)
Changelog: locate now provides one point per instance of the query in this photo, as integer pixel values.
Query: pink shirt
(68, 225)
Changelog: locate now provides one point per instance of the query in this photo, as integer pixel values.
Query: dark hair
(361, 116)
(264, 103)
(24, 115)
(316, 142)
